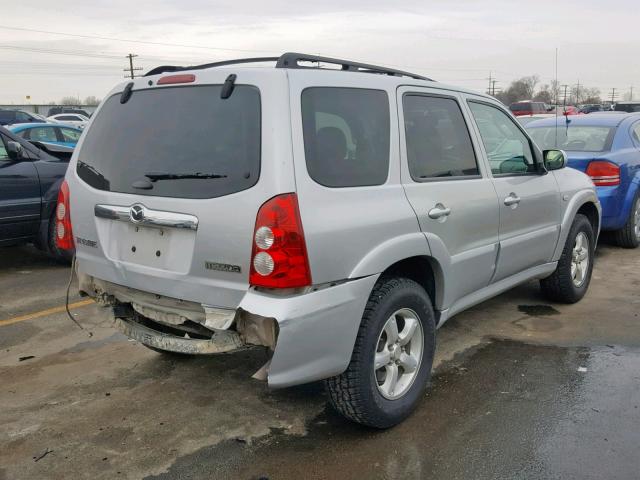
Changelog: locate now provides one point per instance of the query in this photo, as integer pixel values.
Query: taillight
(279, 253)
(64, 234)
(603, 173)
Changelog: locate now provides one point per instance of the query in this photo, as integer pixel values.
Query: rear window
(184, 142)
(573, 138)
(346, 135)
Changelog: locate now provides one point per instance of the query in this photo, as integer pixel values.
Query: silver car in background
(335, 216)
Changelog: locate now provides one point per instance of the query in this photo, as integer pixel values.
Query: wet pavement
(522, 389)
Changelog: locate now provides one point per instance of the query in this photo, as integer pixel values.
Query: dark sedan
(30, 178)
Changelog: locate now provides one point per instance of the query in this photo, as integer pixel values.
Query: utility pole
(578, 92)
(490, 79)
(631, 93)
(493, 87)
(565, 94)
(131, 70)
(613, 95)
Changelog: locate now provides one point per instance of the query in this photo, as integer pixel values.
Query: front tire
(570, 281)
(629, 235)
(392, 358)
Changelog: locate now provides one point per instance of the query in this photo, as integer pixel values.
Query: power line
(142, 42)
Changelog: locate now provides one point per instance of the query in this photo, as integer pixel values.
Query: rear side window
(183, 142)
(346, 135)
(70, 135)
(7, 117)
(438, 141)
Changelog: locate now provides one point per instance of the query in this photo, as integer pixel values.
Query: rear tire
(386, 378)
(629, 235)
(570, 281)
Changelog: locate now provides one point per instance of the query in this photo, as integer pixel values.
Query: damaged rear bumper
(311, 334)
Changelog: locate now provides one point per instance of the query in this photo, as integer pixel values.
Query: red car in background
(528, 108)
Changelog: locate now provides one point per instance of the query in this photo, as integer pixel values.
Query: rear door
(447, 184)
(19, 197)
(530, 212)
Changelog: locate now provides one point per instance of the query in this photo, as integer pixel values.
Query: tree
(92, 101)
(521, 89)
(70, 101)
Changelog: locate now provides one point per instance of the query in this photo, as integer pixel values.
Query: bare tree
(92, 101)
(70, 101)
(521, 89)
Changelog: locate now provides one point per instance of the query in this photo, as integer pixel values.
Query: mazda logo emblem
(136, 214)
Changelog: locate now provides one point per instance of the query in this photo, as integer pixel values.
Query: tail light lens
(64, 234)
(279, 254)
(604, 173)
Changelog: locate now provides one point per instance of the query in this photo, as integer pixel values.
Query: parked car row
(12, 117)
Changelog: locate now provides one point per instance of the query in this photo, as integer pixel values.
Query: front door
(528, 196)
(448, 187)
(19, 197)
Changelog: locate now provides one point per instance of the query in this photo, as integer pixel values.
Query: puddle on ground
(538, 310)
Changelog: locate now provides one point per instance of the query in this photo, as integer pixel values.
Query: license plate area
(162, 248)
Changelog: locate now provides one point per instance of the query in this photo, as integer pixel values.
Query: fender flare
(578, 200)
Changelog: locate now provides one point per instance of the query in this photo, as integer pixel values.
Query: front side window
(346, 135)
(22, 117)
(43, 134)
(508, 149)
(438, 141)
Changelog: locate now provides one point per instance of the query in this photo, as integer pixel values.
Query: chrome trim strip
(138, 214)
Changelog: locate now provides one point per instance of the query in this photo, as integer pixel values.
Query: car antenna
(556, 99)
(229, 85)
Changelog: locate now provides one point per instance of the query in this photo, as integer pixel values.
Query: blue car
(606, 146)
(47, 132)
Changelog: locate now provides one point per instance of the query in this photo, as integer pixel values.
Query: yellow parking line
(43, 313)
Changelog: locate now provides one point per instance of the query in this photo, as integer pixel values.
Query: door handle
(439, 212)
(512, 200)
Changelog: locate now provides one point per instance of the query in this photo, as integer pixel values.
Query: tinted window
(508, 149)
(521, 107)
(22, 117)
(346, 136)
(43, 134)
(70, 135)
(438, 141)
(627, 107)
(177, 131)
(7, 117)
(68, 118)
(577, 138)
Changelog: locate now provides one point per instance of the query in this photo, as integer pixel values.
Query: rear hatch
(165, 185)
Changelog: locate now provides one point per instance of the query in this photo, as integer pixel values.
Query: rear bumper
(317, 330)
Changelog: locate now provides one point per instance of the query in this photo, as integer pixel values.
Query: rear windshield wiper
(155, 176)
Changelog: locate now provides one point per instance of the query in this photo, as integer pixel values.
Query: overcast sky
(454, 41)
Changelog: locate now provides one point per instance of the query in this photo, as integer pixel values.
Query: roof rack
(293, 60)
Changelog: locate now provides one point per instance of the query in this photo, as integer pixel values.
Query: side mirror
(15, 151)
(554, 159)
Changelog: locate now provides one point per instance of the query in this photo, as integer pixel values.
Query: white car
(74, 119)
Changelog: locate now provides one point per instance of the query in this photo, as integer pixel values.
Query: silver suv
(336, 216)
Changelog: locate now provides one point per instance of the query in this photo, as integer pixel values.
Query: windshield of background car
(627, 107)
(163, 133)
(577, 138)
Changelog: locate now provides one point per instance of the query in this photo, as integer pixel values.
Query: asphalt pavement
(523, 388)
